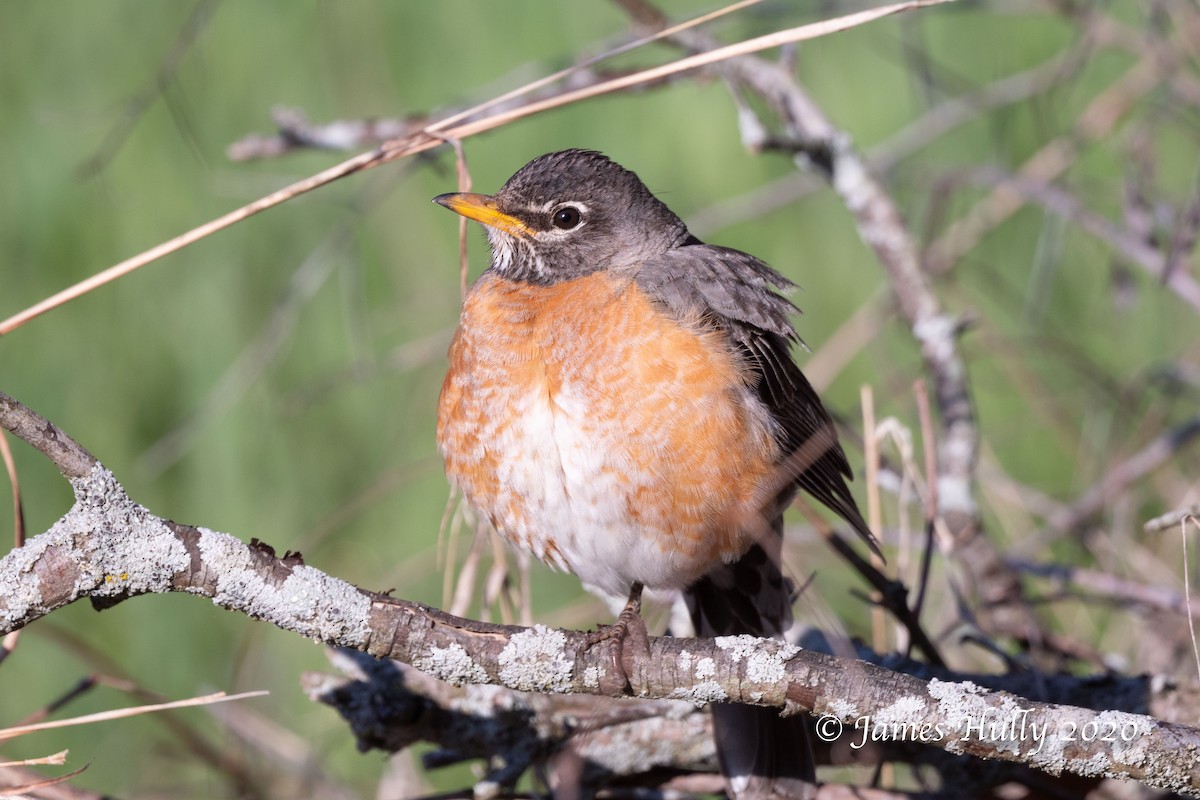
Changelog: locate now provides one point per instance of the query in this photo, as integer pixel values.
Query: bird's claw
(632, 641)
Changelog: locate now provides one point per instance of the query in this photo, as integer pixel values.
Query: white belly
(578, 484)
(603, 437)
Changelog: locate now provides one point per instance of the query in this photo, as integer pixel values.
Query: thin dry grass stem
(297, 131)
(874, 514)
(890, 430)
(53, 760)
(464, 585)
(911, 480)
(548, 80)
(525, 588)
(13, 791)
(10, 466)
(9, 642)
(463, 174)
(497, 588)
(424, 141)
(529, 88)
(177, 243)
(110, 675)
(697, 61)
(446, 548)
(1187, 588)
(884, 157)
(121, 713)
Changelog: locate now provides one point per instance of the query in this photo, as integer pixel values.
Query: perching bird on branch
(622, 403)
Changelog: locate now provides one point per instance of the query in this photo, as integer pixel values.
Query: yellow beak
(482, 208)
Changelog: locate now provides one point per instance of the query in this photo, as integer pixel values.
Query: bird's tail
(761, 754)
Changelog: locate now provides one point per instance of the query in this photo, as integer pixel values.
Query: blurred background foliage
(278, 380)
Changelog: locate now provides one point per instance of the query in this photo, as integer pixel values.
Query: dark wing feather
(762, 755)
(736, 291)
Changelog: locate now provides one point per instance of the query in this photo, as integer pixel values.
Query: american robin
(622, 403)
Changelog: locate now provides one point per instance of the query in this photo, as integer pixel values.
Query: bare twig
(1172, 518)
(1112, 588)
(121, 713)
(422, 141)
(72, 460)
(1121, 475)
(1049, 162)
(1128, 244)
(297, 132)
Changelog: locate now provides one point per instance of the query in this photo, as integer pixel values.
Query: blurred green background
(248, 383)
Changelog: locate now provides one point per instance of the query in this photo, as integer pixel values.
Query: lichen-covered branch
(391, 706)
(109, 548)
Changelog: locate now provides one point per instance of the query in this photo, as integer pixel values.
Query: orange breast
(601, 434)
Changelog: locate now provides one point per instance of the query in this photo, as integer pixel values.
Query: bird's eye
(566, 218)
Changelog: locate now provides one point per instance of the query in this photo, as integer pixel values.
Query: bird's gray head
(567, 214)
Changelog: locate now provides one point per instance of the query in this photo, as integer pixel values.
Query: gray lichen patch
(765, 664)
(591, 678)
(21, 589)
(653, 743)
(961, 704)
(701, 694)
(307, 601)
(142, 553)
(1129, 734)
(905, 710)
(842, 709)
(1125, 738)
(534, 661)
(451, 664)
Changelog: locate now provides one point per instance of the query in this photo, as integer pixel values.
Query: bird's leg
(629, 629)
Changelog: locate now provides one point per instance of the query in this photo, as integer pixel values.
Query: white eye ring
(567, 217)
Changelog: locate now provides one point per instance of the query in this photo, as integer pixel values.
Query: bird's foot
(632, 641)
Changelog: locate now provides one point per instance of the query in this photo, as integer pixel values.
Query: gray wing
(736, 291)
